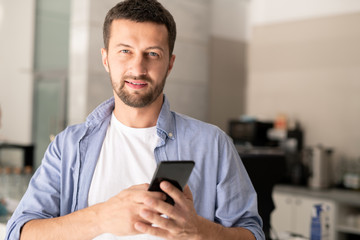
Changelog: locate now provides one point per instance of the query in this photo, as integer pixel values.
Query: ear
(104, 57)
(171, 63)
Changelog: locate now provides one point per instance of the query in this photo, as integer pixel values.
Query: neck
(138, 117)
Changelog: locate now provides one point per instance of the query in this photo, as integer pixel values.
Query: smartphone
(175, 172)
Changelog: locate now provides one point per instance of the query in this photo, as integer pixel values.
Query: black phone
(175, 172)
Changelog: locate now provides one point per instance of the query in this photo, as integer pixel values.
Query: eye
(124, 51)
(153, 54)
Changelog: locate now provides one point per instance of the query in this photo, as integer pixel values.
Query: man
(93, 180)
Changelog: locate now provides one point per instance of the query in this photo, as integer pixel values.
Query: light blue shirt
(221, 187)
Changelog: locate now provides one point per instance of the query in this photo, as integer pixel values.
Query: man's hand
(119, 214)
(181, 221)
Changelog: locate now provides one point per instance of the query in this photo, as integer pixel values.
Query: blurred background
(260, 58)
(292, 63)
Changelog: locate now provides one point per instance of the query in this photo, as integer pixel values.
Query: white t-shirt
(126, 159)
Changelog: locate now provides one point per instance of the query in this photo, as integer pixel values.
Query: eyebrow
(156, 47)
(123, 45)
(148, 48)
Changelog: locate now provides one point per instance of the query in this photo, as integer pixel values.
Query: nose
(138, 66)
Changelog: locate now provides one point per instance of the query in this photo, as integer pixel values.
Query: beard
(138, 99)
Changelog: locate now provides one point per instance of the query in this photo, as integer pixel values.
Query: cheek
(115, 76)
(116, 70)
(160, 71)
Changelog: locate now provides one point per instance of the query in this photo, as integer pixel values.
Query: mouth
(136, 84)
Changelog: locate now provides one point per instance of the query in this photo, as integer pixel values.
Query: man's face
(138, 61)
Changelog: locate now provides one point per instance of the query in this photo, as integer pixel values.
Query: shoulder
(94, 121)
(73, 132)
(188, 125)
(66, 140)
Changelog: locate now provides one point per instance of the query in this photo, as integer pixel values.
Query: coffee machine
(318, 162)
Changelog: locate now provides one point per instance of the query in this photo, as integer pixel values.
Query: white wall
(304, 62)
(187, 85)
(230, 19)
(78, 60)
(227, 54)
(17, 20)
(276, 11)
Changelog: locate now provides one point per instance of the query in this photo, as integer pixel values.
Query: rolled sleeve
(236, 198)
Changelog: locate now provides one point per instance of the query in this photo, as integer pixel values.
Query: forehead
(138, 33)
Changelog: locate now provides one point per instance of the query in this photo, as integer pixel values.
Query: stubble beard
(137, 99)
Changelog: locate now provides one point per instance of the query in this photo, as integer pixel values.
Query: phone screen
(175, 172)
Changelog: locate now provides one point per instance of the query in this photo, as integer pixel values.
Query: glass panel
(49, 113)
(51, 67)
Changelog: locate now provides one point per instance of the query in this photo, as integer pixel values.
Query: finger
(157, 219)
(162, 207)
(141, 197)
(160, 222)
(143, 186)
(172, 191)
(142, 220)
(188, 193)
(148, 229)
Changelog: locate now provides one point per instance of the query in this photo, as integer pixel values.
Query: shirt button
(170, 134)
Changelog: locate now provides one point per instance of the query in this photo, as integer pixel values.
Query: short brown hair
(141, 11)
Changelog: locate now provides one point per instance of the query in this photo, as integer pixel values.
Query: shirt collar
(165, 123)
(103, 111)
